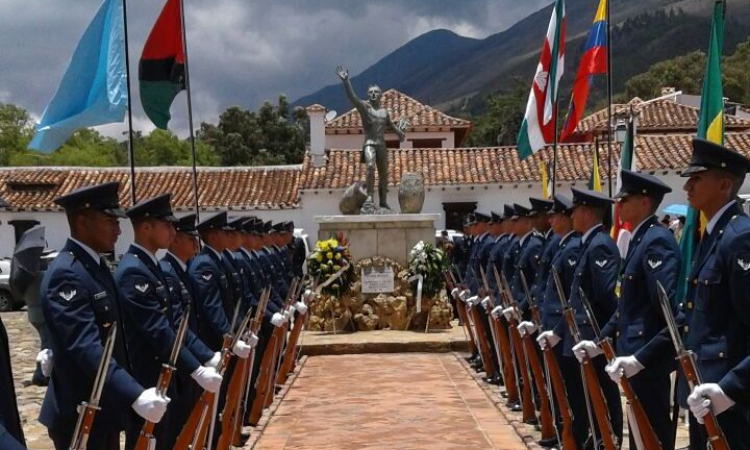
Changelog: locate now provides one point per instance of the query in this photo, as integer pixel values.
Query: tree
(270, 136)
(500, 123)
(15, 131)
(163, 148)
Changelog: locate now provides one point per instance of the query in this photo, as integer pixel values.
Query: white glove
(473, 300)
(463, 295)
(497, 311)
(286, 315)
(241, 349)
(511, 313)
(277, 320)
(308, 295)
(583, 348)
(301, 308)
(454, 293)
(623, 365)
(708, 395)
(486, 302)
(526, 328)
(207, 378)
(252, 341)
(150, 405)
(214, 361)
(44, 358)
(547, 338)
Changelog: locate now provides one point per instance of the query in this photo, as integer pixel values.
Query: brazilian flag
(710, 127)
(161, 70)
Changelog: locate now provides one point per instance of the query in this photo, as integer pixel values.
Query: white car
(7, 303)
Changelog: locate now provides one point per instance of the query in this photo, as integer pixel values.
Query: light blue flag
(93, 90)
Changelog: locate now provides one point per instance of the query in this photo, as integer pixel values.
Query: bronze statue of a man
(375, 121)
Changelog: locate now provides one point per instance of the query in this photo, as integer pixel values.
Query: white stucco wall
(325, 202)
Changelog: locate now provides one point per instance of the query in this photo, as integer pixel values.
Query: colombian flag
(710, 127)
(593, 62)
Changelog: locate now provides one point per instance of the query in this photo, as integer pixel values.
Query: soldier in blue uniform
(174, 265)
(270, 262)
(80, 301)
(717, 300)
(297, 248)
(526, 259)
(11, 432)
(541, 219)
(562, 254)
(638, 327)
(240, 284)
(147, 315)
(596, 273)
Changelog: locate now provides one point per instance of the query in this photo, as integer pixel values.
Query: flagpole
(131, 153)
(190, 112)
(609, 97)
(554, 152)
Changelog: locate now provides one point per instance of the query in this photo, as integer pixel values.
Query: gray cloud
(242, 52)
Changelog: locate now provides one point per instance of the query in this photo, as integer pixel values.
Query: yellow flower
(336, 267)
(329, 255)
(324, 268)
(338, 255)
(319, 257)
(333, 243)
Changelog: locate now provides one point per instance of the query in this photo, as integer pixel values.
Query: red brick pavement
(397, 401)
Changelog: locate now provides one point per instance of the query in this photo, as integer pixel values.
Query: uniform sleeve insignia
(142, 288)
(68, 296)
(744, 265)
(601, 263)
(571, 262)
(207, 276)
(654, 264)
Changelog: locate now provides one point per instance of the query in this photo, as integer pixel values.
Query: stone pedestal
(389, 235)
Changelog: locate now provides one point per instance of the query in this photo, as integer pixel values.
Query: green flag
(710, 127)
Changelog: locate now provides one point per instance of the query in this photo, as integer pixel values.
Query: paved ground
(404, 401)
(384, 341)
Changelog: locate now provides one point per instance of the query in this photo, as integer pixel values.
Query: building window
(393, 144)
(455, 214)
(427, 143)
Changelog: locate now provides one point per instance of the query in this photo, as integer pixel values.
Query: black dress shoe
(503, 394)
(515, 406)
(470, 357)
(548, 443)
(492, 379)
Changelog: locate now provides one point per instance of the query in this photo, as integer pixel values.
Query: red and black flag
(161, 70)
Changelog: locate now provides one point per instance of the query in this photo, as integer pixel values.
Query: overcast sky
(241, 52)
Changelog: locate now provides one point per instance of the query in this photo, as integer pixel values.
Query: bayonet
(87, 410)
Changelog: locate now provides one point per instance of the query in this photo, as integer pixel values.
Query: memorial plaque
(378, 280)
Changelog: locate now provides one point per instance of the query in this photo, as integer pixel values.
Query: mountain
(457, 73)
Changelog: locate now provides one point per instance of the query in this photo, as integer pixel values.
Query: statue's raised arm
(344, 75)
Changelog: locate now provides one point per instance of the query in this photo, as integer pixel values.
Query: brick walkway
(399, 401)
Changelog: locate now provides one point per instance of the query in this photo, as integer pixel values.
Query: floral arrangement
(430, 262)
(329, 257)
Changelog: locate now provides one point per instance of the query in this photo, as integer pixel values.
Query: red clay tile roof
(656, 116)
(421, 117)
(242, 188)
(238, 188)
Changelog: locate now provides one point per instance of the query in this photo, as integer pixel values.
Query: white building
(457, 180)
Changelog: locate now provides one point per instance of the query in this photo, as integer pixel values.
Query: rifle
(265, 381)
(290, 354)
(716, 438)
(231, 417)
(554, 377)
(481, 335)
(527, 404)
(279, 351)
(545, 415)
(645, 430)
(591, 387)
(452, 283)
(502, 345)
(196, 430)
(146, 438)
(87, 410)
